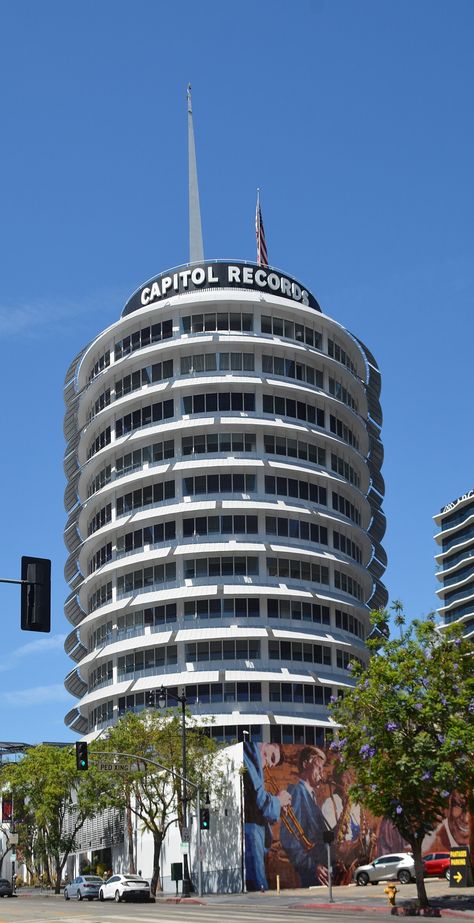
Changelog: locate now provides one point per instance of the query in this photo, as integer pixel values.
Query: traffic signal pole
(35, 593)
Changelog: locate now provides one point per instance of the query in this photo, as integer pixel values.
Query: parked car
(84, 886)
(437, 863)
(6, 889)
(387, 868)
(125, 888)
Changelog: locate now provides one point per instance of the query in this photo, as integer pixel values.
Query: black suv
(6, 889)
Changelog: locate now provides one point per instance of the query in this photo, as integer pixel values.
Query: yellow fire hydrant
(391, 890)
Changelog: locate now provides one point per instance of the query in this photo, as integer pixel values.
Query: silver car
(397, 866)
(83, 887)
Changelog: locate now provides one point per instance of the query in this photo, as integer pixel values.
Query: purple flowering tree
(407, 727)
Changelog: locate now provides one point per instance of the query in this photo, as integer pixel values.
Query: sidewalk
(450, 902)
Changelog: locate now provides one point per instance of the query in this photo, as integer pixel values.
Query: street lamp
(162, 697)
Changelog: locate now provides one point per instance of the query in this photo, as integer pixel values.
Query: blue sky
(354, 119)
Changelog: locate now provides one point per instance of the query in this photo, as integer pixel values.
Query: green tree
(46, 782)
(153, 795)
(406, 728)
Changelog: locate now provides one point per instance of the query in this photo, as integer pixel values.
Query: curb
(364, 908)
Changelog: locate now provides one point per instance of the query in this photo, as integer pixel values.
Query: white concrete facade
(224, 501)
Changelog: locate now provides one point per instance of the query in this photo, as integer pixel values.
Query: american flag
(262, 254)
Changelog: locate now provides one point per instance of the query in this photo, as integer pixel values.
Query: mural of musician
(302, 839)
(293, 794)
(261, 810)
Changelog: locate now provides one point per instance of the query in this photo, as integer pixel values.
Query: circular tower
(224, 498)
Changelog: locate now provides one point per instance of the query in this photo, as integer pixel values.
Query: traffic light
(82, 756)
(204, 818)
(35, 594)
(150, 699)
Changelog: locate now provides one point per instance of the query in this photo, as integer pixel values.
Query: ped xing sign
(461, 871)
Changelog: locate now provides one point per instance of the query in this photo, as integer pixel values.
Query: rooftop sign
(450, 506)
(218, 275)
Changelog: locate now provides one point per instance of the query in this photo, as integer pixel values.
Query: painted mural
(293, 795)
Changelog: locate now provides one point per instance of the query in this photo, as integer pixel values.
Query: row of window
(143, 337)
(211, 484)
(237, 524)
(134, 623)
(101, 440)
(163, 371)
(297, 570)
(100, 519)
(144, 416)
(297, 410)
(300, 693)
(280, 327)
(101, 676)
(457, 537)
(150, 495)
(219, 484)
(225, 443)
(339, 354)
(147, 662)
(213, 362)
(340, 392)
(103, 716)
(344, 432)
(222, 321)
(149, 535)
(149, 578)
(348, 585)
(146, 579)
(453, 559)
(289, 368)
(300, 652)
(102, 363)
(149, 375)
(223, 402)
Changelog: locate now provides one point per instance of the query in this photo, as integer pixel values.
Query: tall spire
(196, 248)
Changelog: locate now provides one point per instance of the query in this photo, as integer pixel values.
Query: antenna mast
(196, 248)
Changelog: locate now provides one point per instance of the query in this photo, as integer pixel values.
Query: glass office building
(456, 562)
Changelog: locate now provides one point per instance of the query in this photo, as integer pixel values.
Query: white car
(396, 866)
(125, 888)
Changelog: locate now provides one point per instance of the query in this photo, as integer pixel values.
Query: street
(365, 903)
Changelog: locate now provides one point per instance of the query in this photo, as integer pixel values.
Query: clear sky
(354, 119)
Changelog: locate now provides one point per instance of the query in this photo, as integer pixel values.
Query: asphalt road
(368, 903)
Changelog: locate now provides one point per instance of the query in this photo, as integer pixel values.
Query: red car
(437, 863)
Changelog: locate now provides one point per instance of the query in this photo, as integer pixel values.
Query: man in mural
(262, 809)
(454, 828)
(304, 826)
(354, 837)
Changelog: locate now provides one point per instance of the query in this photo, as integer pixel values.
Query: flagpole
(262, 253)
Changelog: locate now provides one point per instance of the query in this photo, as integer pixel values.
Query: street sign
(186, 834)
(461, 872)
(184, 847)
(13, 857)
(13, 839)
(114, 766)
